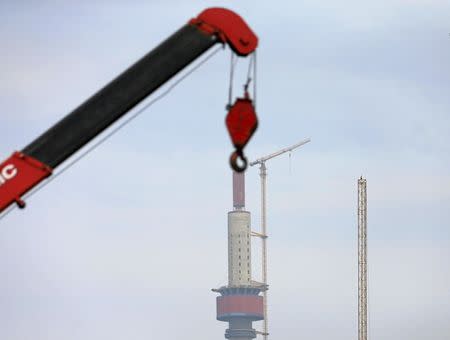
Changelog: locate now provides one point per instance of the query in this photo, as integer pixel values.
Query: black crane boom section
(114, 100)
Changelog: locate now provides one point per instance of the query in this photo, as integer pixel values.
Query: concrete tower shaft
(239, 302)
(239, 249)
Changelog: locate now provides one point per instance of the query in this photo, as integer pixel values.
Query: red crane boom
(27, 168)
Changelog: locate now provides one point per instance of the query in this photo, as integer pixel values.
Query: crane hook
(241, 122)
(238, 161)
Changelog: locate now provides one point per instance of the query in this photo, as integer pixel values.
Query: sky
(128, 242)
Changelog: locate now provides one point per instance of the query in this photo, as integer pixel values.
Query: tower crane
(263, 234)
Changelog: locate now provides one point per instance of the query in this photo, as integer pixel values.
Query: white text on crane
(7, 173)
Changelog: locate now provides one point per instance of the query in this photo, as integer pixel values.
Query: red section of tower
(247, 306)
(238, 190)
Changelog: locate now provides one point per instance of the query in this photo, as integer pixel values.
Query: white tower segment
(263, 234)
(239, 253)
(362, 259)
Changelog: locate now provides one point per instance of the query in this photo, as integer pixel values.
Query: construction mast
(362, 259)
(263, 233)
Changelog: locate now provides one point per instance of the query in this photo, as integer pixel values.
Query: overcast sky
(128, 243)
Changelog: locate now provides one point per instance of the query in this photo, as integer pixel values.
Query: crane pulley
(241, 122)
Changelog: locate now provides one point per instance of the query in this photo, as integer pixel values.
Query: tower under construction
(239, 303)
(362, 259)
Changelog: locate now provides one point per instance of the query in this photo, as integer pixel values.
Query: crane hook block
(241, 122)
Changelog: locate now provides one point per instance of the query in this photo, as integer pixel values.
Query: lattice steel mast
(362, 259)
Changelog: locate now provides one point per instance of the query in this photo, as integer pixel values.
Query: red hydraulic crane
(27, 168)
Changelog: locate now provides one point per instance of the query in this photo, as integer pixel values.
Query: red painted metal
(230, 27)
(19, 174)
(238, 189)
(241, 122)
(250, 306)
